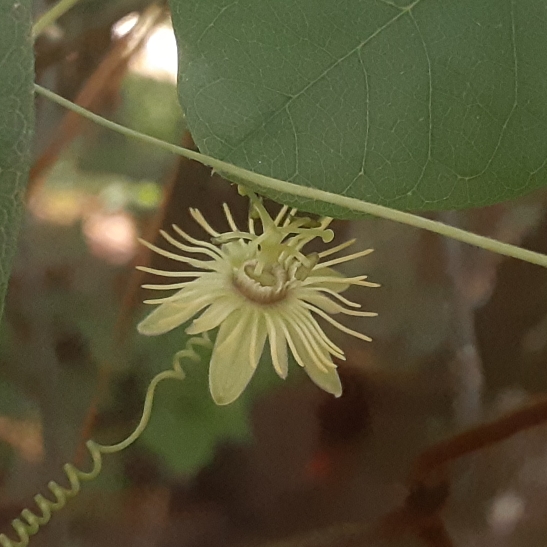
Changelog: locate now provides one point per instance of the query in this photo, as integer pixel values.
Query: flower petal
(232, 365)
(328, 380)
(306, 342)
(169, 315)
(325, 377)
(258, 338)
(306, 318)
(278, 347)
(213, 316)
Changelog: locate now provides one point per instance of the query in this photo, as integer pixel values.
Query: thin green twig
(50, 16)
(263, 182)
(30, 522)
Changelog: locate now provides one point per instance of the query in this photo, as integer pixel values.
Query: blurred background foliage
(460, 339)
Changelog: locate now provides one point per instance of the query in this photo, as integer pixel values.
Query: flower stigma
(258, 285)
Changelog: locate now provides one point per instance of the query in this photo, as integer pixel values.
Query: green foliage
(151, 107)
(186, 426)
(16, 122)
(422, 105)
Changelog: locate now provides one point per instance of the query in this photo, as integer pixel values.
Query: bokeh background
(461, 339)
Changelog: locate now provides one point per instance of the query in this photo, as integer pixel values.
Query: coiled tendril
(29, 523)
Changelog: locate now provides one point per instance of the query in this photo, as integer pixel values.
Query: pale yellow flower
(258, 285)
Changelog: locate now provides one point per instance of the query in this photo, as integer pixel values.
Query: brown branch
(477, 438)
(88, 423)
(130, 300)
(429, 489)
(108, 76)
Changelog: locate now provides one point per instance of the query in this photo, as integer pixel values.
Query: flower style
(258, 285)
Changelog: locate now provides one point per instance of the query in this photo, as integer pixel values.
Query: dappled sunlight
(111, 236)
(24, 436)
(158, 58)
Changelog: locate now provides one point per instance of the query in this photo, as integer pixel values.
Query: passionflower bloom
(256, 285)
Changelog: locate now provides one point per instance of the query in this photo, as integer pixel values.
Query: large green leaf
(16, 123)
(431, 105)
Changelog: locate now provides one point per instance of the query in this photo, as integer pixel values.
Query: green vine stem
(245, 177)
(50, 16)
(29, 522)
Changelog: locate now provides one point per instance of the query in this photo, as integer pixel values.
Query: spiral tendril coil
(30, 522)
